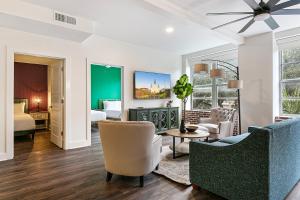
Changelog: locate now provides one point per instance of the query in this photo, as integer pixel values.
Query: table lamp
(38, 101)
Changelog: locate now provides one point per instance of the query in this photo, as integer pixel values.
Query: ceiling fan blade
(287, 12)
(253, 4)
(272, 23)
(231, 13)
(231, 22)
(285, 5)
(247, 26)
(272, 3)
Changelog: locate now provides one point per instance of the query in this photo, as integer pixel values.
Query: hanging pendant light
(235, 84)
(201, 68)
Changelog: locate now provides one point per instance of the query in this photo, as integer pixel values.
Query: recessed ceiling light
(169, 29)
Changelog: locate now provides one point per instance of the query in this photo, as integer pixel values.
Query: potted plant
(183, 89)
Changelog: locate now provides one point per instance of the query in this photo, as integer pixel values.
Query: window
(203, 93)
(290, 81)
(210, 92)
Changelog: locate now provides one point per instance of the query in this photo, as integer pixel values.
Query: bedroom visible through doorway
(38, 102)
(106, 94)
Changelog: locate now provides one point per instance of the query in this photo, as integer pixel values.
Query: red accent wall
(31, 82)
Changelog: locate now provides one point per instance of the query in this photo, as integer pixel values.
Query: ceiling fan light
(262, 17)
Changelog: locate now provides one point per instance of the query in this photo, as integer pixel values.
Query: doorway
(105, 97)
(38, 101)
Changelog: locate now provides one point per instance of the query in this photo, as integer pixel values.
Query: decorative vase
(182, 127)
(182, 123)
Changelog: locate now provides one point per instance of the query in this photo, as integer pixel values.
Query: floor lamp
(233, 84)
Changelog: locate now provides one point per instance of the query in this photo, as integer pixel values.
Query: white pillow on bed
(19, 108)
(112, 105)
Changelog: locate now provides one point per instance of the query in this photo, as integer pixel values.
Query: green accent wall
(105, 84)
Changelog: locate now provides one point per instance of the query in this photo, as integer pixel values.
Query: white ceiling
(201, 7)
(143, 22)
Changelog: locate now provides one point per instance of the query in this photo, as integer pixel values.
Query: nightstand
(41, 119)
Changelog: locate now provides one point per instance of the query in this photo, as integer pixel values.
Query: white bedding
(115, 114)
(23, 122)
(112, 108)
(97, 115)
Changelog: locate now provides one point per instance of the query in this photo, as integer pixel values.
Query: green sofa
(263, 164)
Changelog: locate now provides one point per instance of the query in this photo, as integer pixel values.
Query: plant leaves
(183, 88)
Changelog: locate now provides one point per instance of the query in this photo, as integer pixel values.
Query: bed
(24, 124)
(112, 108)
(97, 115)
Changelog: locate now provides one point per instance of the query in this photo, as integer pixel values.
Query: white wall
(256, 61)
(98, 49)
(131, 57)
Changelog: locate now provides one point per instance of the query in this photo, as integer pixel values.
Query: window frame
(286, 81)
(215, 96)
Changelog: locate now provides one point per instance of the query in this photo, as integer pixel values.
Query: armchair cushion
(206, 120)
(220, 123)
(130, 148)
(212, 128)
(234, 139)
(220, 114)
(156, 150)
(156, 138)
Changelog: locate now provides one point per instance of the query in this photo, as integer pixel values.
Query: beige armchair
(220, 124)
(130, 148)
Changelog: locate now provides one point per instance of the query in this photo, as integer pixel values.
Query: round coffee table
(175, 133)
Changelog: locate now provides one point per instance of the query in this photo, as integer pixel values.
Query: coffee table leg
(174, 156)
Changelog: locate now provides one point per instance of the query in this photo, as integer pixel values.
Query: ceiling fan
(262, 12)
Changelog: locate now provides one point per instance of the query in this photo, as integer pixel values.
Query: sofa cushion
(219, 144)
(234, 139)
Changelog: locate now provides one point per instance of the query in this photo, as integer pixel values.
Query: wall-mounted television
(150, 85)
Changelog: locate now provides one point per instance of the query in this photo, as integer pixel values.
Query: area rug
(175, 169)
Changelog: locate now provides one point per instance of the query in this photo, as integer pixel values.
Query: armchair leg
(108, 176)
(141, 181)
(157, 167)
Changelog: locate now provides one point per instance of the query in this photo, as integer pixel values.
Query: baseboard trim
(77, 144)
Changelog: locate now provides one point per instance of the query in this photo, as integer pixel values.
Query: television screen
(149, 85)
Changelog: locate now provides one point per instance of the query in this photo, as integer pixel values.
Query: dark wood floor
(43, 171)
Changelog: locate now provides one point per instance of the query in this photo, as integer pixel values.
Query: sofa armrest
(226, 169)
(205, 120)
(252, 129)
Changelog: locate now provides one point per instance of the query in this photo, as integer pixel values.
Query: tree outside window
(290, 81)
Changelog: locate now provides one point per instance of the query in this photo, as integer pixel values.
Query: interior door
(57, 103)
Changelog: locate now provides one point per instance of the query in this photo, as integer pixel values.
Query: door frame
(9, 129)
(88, 95)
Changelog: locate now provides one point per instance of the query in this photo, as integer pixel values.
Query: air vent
(65, 18)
